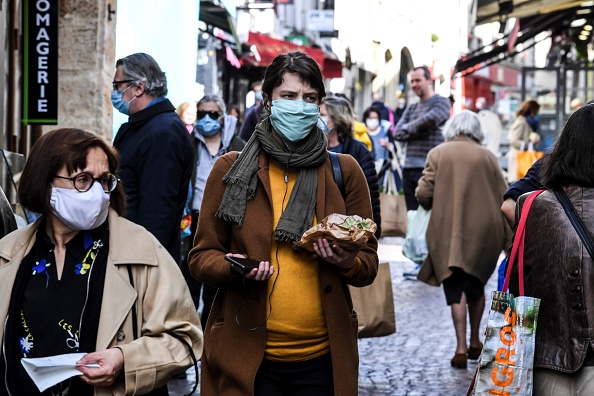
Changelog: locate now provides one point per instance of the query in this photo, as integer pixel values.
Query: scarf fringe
(238, 219)
(285, 236)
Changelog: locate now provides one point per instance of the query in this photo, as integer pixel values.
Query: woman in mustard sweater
(287, 326)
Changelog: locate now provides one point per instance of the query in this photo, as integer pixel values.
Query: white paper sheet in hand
(49, 371)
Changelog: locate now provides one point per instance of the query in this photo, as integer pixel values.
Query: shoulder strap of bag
(576, 221)
(518, 245)
(337, 172)
(172, 334)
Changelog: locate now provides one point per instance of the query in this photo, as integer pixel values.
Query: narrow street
(416, 360)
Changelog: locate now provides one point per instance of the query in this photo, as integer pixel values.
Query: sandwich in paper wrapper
(345, 231)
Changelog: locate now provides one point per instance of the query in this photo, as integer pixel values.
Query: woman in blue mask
(287, 326)
(522, 132)
(213, 136)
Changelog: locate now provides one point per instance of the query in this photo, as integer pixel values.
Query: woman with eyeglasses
(82, 279)
(214, 135)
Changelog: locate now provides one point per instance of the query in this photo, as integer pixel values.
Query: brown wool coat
(232, 353)
(463, 184)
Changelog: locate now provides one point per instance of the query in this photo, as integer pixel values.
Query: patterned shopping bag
(506, 363)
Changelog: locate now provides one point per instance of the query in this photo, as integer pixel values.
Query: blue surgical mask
(293, 119)
(258, 95)
(208, 126)
(323, 125)
(119, 103)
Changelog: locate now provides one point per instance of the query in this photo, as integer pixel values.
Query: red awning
(268, 48)
(332, 68)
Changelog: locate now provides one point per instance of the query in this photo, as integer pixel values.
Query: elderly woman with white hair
(463, 185)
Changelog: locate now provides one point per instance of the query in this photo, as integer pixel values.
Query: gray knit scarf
(242, 180)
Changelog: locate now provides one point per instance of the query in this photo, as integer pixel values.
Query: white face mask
(80, 210)
(372, 123)
(323, 124)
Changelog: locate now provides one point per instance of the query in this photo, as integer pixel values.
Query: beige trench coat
(463, 184)
(163, 303)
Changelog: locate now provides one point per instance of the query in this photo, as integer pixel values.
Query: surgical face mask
(119, 103)
(323, 125)
(208, 126)
(293, 119)
(80, 210)
(258, 95)
(372, 123)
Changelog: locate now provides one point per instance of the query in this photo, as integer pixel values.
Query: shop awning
(332, 68)
(215, 14)
(530, 27)
(496, 10)
(265, 49)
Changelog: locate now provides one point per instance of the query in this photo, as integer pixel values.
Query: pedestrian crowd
(199, 209)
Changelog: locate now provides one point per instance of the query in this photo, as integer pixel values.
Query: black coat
(359, 151)
(155, 168)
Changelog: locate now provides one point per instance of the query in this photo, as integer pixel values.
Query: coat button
(121, 336)
(577, 289)
(578, 305)
(575, 272)
(328, 289)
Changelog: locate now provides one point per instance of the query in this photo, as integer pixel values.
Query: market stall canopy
(265, 48)
(214, 13)
(496, 10)
(529, 27)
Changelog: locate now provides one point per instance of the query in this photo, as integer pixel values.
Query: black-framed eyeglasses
(212, 114)
(84, 181)
(116, 84)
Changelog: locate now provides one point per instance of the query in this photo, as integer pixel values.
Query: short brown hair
(293, 62)
(63, 147)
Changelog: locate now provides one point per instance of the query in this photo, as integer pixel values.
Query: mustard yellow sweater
(296, 330)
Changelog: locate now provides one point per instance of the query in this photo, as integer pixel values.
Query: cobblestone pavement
(416, 360)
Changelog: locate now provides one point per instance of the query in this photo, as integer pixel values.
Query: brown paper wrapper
(346, 231)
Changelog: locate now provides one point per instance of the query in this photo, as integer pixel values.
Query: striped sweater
(419, 129)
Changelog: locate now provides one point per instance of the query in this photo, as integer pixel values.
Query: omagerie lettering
(41, 66)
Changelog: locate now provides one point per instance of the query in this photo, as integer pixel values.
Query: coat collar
(121, 250)
(135, 248)
(149, 112)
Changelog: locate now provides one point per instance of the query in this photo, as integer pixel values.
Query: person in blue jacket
(155, 150)
(530, 182)
(337, 122)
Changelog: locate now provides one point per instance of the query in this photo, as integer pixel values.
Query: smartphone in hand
(244, 265)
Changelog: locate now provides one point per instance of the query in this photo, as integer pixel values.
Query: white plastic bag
(415, 243)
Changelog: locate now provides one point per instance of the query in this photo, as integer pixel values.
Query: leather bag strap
(576, 221)
(518, 245)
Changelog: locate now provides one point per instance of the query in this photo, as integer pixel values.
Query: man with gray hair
(155, 149)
